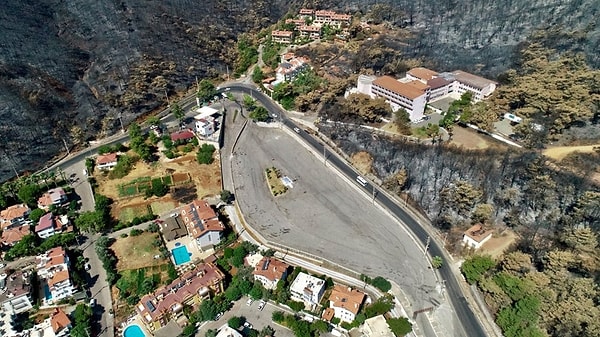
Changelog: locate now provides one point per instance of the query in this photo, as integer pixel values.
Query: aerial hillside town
(325, 181)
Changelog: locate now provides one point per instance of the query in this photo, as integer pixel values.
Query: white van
(361, 180)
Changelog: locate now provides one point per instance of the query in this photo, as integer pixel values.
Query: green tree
(260, 114)
(29, 194)
(236, 322)
(277, 316)
(27, 246)
(249, 102)
(476, 266)
(319, 326)
(36, 214)
(206, 90)
(90, 221)
(267, 331)
(211, 333)
(402, 121)
(257, 75)
(437, 262)
(295, 305)
(226, 196)
(159, 189)
(399, 326)
(381, 284)
(154, 121)
(177, 111)
(205, 154)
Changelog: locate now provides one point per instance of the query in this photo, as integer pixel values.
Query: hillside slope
(69, 69)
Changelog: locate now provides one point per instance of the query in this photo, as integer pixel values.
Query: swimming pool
(133, 331)
(47, 293)
(180, 255)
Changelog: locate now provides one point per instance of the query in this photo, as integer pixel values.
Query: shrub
(475, 267)
(381, 284)
(277, 316)
(136, 232)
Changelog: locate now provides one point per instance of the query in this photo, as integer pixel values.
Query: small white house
(476, 236)
(307, 289)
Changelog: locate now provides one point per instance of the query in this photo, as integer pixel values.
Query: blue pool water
(180, 255)
(133, 331)
(47, 293)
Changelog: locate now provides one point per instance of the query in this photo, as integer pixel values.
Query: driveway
(258, 319)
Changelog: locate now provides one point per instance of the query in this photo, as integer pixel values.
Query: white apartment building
(307, 289)
(269, 271)
(408, 96)
(53, 270)
(282, 36)
(344, 303)
(480, 87)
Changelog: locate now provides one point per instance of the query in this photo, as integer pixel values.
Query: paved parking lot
(258, 319)
(324, 215)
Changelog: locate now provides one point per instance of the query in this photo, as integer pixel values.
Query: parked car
(87, 266)
(261, 305)
(249, 302)
(219, 315)
(2, 265)
(247, 325)
(93, 302)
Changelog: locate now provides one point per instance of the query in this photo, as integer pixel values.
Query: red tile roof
(397, 87)
(107, 158)
(271, 268)
(46, 221)
(13, 212)
(423, 73)
(478, 233)
(60, 276)
(59, 320)
(204, 277)
(11, 236)
(282, 33)
(199, 218)
(347, 298)
(182, 135)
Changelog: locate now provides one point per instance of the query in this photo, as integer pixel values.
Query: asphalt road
(467, 319)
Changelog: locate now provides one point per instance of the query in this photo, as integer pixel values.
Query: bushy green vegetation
(108, 258)
(104, 149)
(133, 284)
(124, 166)
(205, 154)
(137, 142)
(259, 114)
(456, 109)
(82, 325)
(301, 328)
(399, 326)
(206, 91)
(270, 53)
(31, 245)
(247, 55)
(286, 92)
(377, 282)
(476, 266)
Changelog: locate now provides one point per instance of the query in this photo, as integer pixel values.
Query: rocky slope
(69, 69)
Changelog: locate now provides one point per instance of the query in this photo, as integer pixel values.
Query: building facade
(307, 289)
(401, 96)
(202, 223)
(345, 302)
(53, 271)
(269, 271)
(476, 236)
(282, 36)
(15, 216)
(167, 303)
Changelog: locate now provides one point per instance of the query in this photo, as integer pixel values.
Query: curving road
(467, 319)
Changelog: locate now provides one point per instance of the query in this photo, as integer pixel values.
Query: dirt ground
(561, 152)
(499, 243)
(205, 178)
(363, 162)
(134, 252)
(470, 139)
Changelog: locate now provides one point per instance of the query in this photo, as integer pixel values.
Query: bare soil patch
(560, 152)
(134, 252)
(469, 139)
(499, 243)
(363, 161)
(203, 180)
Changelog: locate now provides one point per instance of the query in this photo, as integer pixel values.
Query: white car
(247, 325)
(93, 302)
(87, 266)
(2, 265)
(297, 130)
(261, 305)
(249, 302)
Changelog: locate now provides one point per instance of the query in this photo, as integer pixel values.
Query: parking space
(258, 318)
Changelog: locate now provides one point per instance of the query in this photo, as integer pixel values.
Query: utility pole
(121, 121)
(66, 147)
(197, 85)
(167, 96)
(427, 245)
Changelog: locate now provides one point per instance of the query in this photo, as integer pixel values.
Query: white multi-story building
(14, 216)
(344, 303)
(480, 87)
(268, 271)
(53, 270)
(282, 36)
(49, 225)
(307, 289)
(202, 223)
(400, 95)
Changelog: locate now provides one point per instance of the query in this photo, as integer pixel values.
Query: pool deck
(135, 320)
(192, 247)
